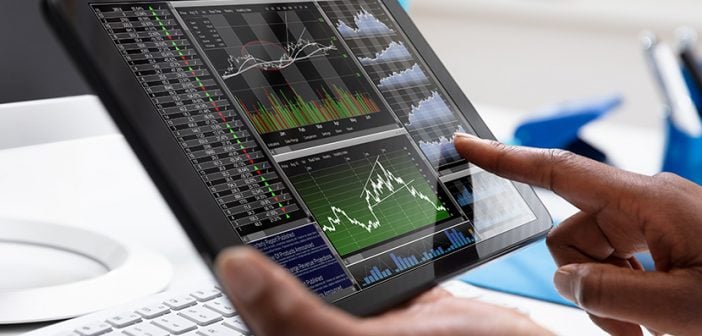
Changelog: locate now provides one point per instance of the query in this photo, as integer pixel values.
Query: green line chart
(380, 182)
(368, 194)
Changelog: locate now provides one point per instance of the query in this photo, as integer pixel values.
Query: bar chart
(412, 255)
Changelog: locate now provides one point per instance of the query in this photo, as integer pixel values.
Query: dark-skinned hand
(621, 214)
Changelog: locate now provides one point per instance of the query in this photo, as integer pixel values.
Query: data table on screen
(199, 115)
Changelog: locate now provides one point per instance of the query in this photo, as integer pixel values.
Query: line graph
(413, 76)
(288, 73)
(263, 55)
(373, 194)
(367, 25)
(367, 194)
(430, 112)
(395, 52)
(404, 80)
(442, 149)
(433, 123)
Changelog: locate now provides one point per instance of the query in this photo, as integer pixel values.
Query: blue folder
(683, 153)
(528, 273)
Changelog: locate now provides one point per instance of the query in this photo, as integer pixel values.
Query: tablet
(318, 132)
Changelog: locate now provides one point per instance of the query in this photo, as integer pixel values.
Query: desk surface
(96, 182)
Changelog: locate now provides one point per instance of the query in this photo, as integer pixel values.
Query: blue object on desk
(404, 4)
(559, 126)
(528, 273)
(694, 91)
(683, 153)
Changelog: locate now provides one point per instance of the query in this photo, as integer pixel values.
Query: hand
(621, 214)
(274, 303)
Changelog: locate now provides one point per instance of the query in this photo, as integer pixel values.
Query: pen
(687, 40)
(672, 84)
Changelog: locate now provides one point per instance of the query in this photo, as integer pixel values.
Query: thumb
(272, 301)
(657, 300)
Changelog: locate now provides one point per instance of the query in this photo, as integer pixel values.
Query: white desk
(96, 182)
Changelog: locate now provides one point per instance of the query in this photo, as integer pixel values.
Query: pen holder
(683, 153)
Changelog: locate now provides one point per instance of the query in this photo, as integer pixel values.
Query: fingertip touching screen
(319, 131)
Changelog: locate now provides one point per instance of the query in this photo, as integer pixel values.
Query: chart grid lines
(367, 194)
(403, 81)
(288, 71)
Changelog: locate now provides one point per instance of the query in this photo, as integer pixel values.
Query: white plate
(130, 272)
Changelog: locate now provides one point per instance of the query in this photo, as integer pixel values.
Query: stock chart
(287, 70)
(416, 253)
(401, 76)
(368, 194)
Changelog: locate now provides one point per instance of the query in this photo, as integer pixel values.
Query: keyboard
(201, 312)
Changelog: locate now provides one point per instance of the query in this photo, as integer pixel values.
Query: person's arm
(621, 214)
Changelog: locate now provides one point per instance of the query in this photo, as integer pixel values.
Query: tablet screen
(319, 131)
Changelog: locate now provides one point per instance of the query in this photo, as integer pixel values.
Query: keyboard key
(218, 330)
(200, 315)
(222, 306)
(152, 311)
(123, 320)
(113, 333)
(206, 294)
(145, 329)
(179, 303)
(94, 329)
(174, 324)
(237, 323)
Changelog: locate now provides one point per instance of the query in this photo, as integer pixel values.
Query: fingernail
(466, 136)
(565, 281)
(244, 279)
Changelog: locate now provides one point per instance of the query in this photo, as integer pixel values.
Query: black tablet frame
(104, 68)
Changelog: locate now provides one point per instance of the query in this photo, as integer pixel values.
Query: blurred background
(33, 64)
(523, 54)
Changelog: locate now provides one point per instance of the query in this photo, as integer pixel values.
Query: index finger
(588, 184)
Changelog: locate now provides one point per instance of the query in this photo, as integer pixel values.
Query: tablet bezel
(85, 39)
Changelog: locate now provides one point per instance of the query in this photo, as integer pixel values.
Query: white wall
(522, 54)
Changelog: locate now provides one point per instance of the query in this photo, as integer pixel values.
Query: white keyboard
(205, 312)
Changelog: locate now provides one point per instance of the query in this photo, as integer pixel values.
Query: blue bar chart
(415, 254)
